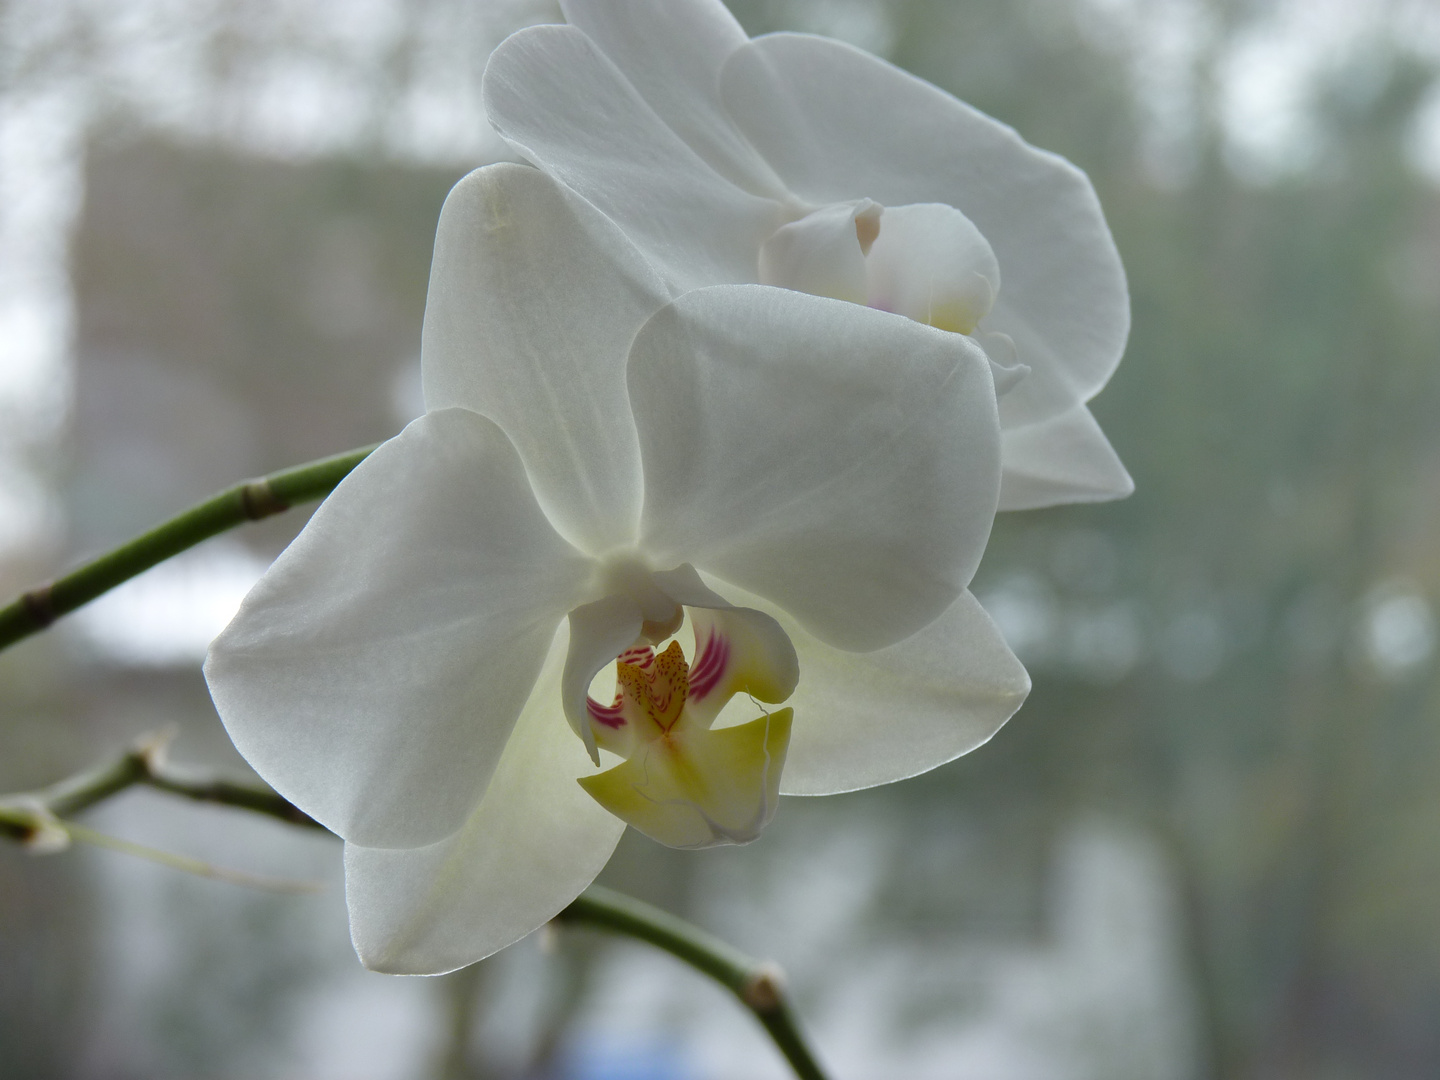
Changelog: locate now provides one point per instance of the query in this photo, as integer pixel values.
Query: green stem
(252, 500)
(758, 985)
(31, 816)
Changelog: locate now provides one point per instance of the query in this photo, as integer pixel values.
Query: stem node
(765, 990)
(39, 605)
(259, 500)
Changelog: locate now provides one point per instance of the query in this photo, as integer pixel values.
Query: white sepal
(373, 675)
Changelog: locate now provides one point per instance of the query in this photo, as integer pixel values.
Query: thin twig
(252, 500)
(187, 865)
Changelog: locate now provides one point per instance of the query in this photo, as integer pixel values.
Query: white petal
(374, 673)
(534, 842)
(931, 264)
(534, 300)
(672, 54)
(599, 632)
(863, 719)
(1004, 368)
(840, 461)
(837, 124)
(555, 97)
(1063, 460)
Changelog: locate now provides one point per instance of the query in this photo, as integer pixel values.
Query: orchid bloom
(798, 161)
(420, 669)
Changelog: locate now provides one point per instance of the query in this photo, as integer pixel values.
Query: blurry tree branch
(252, 500)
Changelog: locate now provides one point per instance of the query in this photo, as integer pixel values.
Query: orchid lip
(701, 678)
(684, 782)
(612, 716)
(710, 663)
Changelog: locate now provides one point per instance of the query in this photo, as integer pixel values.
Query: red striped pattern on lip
(711, 662)
(641, 656)
(609, 715)
(710, 665)
(612, 716)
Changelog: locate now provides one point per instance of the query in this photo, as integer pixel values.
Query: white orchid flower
(799, 161)
(415, 669)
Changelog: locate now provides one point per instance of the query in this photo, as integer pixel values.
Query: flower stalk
(37, 818)
(759, 985)
(251, 500)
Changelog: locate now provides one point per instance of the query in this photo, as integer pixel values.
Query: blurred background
(1207, 847)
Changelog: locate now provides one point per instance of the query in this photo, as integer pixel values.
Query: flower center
(652, 690)
(926, 261)
(655, 691)
(684, 782)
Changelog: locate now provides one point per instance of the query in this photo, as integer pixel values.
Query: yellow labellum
(694, 787)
